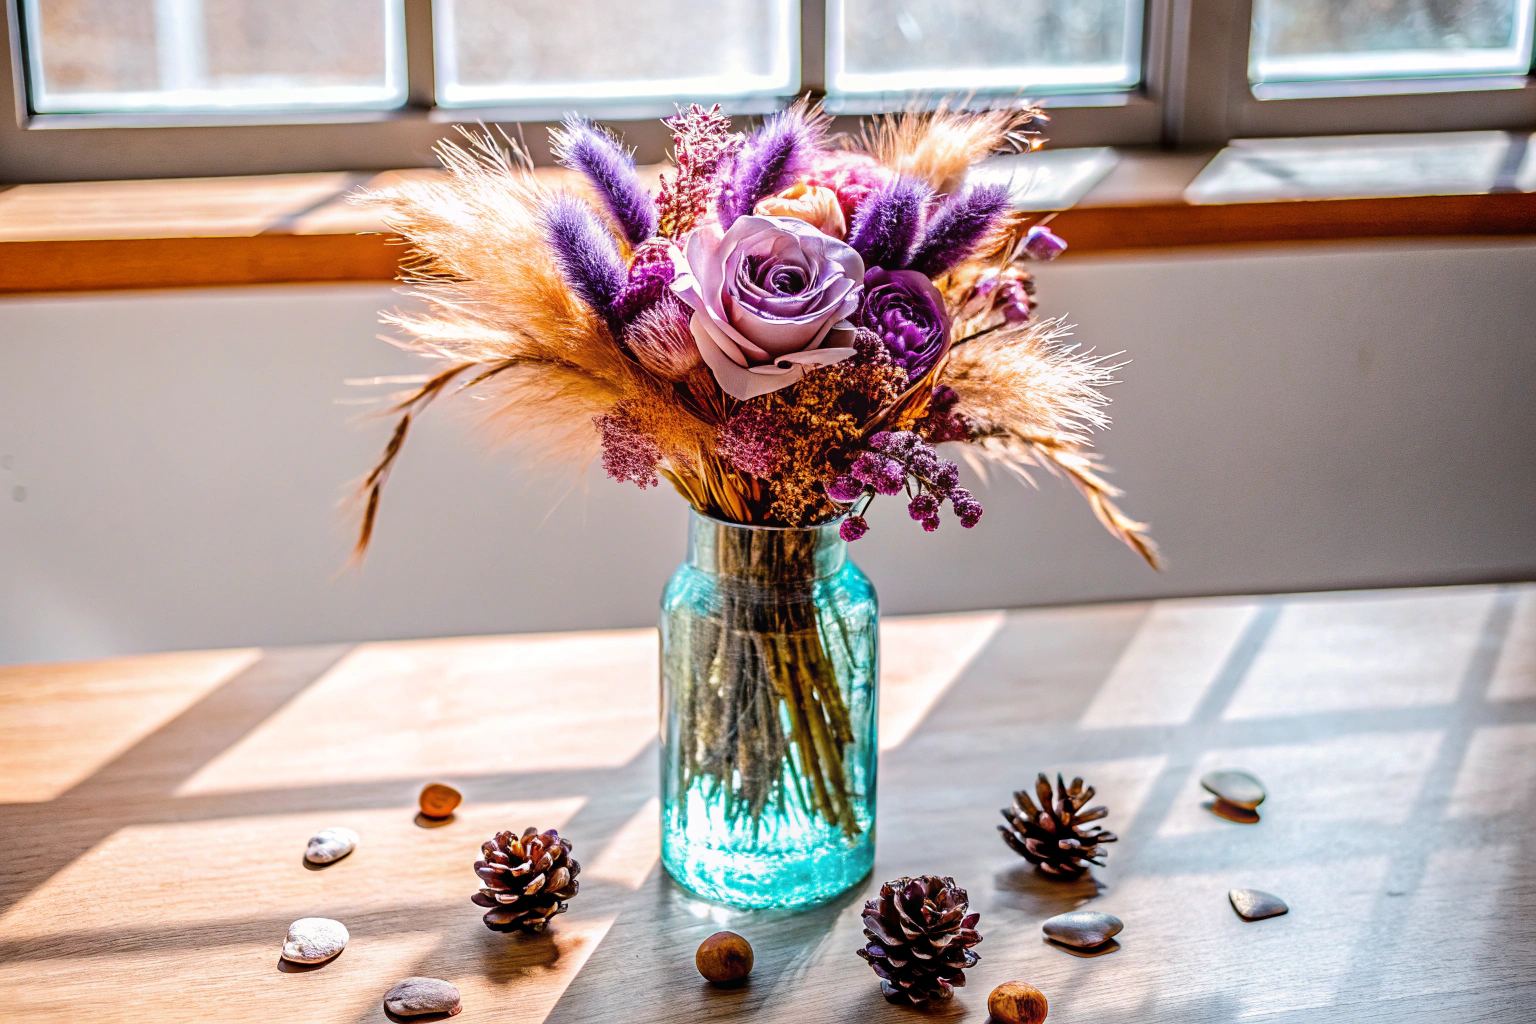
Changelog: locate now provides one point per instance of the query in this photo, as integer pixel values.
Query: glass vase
(769, 670)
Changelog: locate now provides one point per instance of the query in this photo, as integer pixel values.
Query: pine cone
(526, 880)
(1051, 836)
(920, 938)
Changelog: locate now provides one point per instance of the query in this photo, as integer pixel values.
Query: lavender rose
(907, 311)
(771, 298)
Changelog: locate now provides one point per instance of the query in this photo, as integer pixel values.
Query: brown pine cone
(525, 880)
(920, 938)
(1051, 836)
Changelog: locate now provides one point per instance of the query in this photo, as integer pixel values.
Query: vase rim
(766, 527)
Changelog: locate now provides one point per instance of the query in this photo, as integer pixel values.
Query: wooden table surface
(154, 812)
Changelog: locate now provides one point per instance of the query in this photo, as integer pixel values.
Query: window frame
(1194, 93)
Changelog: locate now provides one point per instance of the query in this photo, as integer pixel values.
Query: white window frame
(1194, 94)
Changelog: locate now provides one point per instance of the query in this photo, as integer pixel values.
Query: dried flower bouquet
(783, 331)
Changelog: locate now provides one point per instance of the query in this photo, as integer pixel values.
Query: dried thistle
(938, 146)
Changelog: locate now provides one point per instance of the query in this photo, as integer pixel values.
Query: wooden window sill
(279, 229)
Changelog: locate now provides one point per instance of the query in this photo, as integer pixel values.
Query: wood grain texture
(1396, 732)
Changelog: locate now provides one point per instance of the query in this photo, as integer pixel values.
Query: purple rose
(907, 311)
(771, 298)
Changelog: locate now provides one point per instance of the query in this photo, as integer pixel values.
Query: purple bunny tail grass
(587, 255)
(957, 227)
(769, 161)
(584, 147)
(888, 222)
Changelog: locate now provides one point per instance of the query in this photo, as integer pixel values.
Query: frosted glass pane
(1318, 40)
(876, 46)
(507, 51)
(91, 56)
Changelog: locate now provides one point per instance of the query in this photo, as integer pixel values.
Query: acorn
(1014, 1002)
(438, 800)
(724, 958)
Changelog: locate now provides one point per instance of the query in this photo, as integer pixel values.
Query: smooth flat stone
(1237, 788)
(313, 940)
(1083, 929)
(1255, 904)
(330, 844)
(414, 997)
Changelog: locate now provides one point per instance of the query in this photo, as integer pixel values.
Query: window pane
(500, 51)
(91, 56)
(1316, 40)
(876, 46)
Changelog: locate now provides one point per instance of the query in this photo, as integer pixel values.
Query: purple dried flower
(583, 147)
(853, 528)
(844, 488)
(1044, 244)
(947, 477)
(883, 441)
(907, 312)
(923, 507)
(925, 462)
(629, 453)
(768, 162)
(651, 270)
(966, 507)
(888, 223)
(749, 440)
(587, 254)
(931, 523)
(957, 227)
(884, 474)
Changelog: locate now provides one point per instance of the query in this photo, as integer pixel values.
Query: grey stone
(1255, 904)
(1082, 929)
(330, 844)
(414, 997)
(313, 940)
(1237, 788)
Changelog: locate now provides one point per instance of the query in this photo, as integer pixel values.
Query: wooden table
(155, 812)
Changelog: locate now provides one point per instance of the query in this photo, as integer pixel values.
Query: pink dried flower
(853, 176)
(748, 441)
(629, 453)
(702, 141)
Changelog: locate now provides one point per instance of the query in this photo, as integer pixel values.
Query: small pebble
(438, 800)
(330, 844)
(313, 940)
(1237, 788)
(415, 997)
(1082, 929)
(1014, 1002)
(1255, 904)
(724, 958)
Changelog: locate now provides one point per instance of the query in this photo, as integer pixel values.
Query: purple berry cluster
(901, 460)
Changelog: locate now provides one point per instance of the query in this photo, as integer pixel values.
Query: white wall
(1312, 417)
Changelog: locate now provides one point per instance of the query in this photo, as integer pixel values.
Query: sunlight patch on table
(920, 659)
(1370, 778)
(1169, 664)
(1497, 774)
(632, 853)
(1382, 650)
(185, 985)
(190, 876)
(455, 707)
(59, 724)
(1514, 677)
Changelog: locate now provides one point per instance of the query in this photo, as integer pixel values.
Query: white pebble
(330, 844)
(313, 940)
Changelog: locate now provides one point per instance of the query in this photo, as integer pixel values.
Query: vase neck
(765, 555)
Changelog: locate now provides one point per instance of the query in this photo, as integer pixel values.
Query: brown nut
(438, 800)
(1014, 1002)
(724, 958)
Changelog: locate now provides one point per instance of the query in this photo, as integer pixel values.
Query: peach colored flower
(814, 204)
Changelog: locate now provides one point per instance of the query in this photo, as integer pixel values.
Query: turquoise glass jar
(769, 676)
